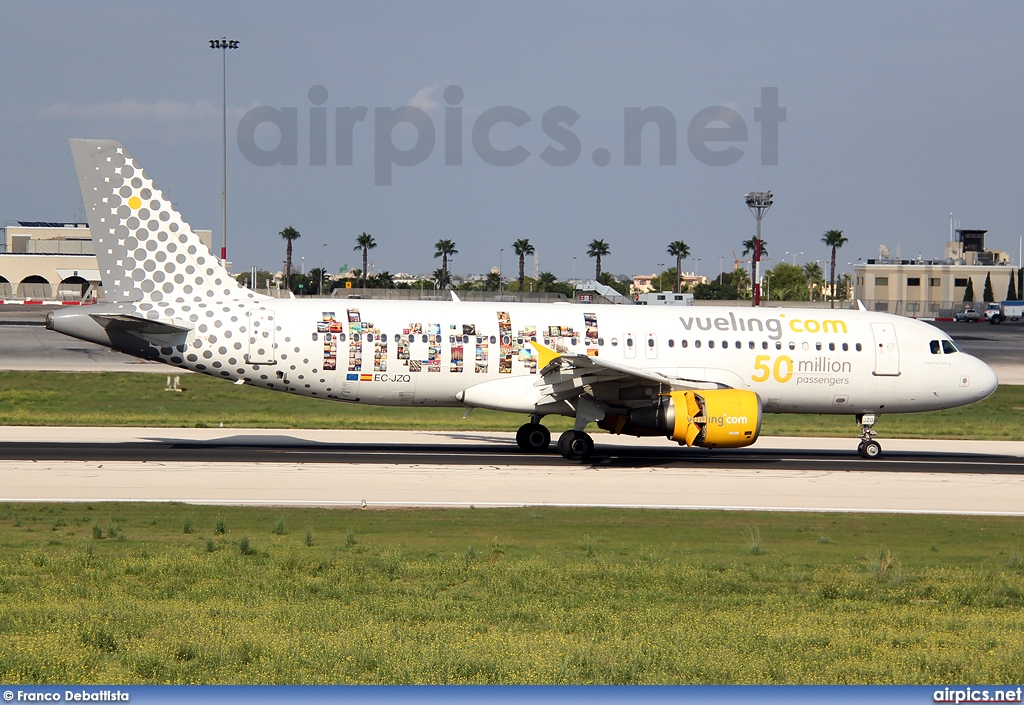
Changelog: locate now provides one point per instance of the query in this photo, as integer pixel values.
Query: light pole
(721, 268)
(321, 290)
(661, 284)
(574, 271)
(501, 281)
(794, 254)
(224, 44)
(758, 202)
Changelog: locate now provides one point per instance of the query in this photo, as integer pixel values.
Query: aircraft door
(651, 346)
(262, 347)
(887, 353)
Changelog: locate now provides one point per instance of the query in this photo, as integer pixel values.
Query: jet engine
(716, 418)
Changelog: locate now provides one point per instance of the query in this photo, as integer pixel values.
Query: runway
(425, 469)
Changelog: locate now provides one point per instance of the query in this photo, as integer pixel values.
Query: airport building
(933, 287)
(42, 261)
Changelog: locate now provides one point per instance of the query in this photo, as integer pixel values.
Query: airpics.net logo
(715, 136)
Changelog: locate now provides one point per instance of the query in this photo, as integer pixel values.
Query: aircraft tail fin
(145, 249)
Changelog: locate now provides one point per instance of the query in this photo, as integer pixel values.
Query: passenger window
(369, 337)
(451, 338)
(711, 343)
(696, 343)
(671, 343)
(493, 340)
(615, 342)
(764, 344)
(314, 337)
(629, 342)
(425, 339)
(935, 347)
(832, 346)
(341, 337)
(384, 337)
(846, 348)
(778, 345)
(751, 345)
(650, 342)
(948, 347)
(792, 345)
(858, 347)
(600, 341)
(738, 345)
(355, 337)
(684, 343)
(817, 346)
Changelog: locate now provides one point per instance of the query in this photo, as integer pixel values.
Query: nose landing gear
(868, 448)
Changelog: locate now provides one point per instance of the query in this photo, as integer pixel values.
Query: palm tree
(596, 249)
(741, 280)
(442, 249)
(545, 281)
(680, 250)
(365, 243)
(384, 280)
(522, 248)
(813, 275)
(750, 248)
(290, 234)
(492, 282)
(835, 240)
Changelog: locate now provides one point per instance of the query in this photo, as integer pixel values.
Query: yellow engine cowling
(716, 418)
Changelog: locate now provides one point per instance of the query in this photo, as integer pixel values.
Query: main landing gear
(869, 448)
(533, 437)
(575, 445)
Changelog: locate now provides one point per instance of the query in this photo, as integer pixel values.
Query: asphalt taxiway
(403, 469)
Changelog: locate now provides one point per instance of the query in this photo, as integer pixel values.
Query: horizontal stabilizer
(141, 326)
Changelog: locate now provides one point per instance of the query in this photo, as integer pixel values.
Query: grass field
(136, 399)
(166, 593)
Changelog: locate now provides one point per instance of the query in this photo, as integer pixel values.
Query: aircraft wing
(567, 376)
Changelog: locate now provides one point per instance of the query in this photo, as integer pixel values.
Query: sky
(896, 116)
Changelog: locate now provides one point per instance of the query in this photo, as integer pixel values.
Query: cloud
(424, 98)
(165, 111)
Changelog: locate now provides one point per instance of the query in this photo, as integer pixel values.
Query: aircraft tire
(533, 438)
(575, 445)
(869, 449)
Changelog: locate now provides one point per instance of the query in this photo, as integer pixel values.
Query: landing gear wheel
(869, 449)
(575, 445)
(533, 438)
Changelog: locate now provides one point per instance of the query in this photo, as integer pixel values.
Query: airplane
(700, 376)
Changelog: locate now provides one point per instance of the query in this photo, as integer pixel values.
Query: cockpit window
(949, 347)
(935, 347)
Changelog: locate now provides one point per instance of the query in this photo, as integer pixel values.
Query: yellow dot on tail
(134, 202)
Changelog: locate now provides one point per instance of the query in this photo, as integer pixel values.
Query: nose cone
(983, 380)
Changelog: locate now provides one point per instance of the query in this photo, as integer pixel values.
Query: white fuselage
(401, 353)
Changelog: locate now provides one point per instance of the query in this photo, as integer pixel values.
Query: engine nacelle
(716, 418)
